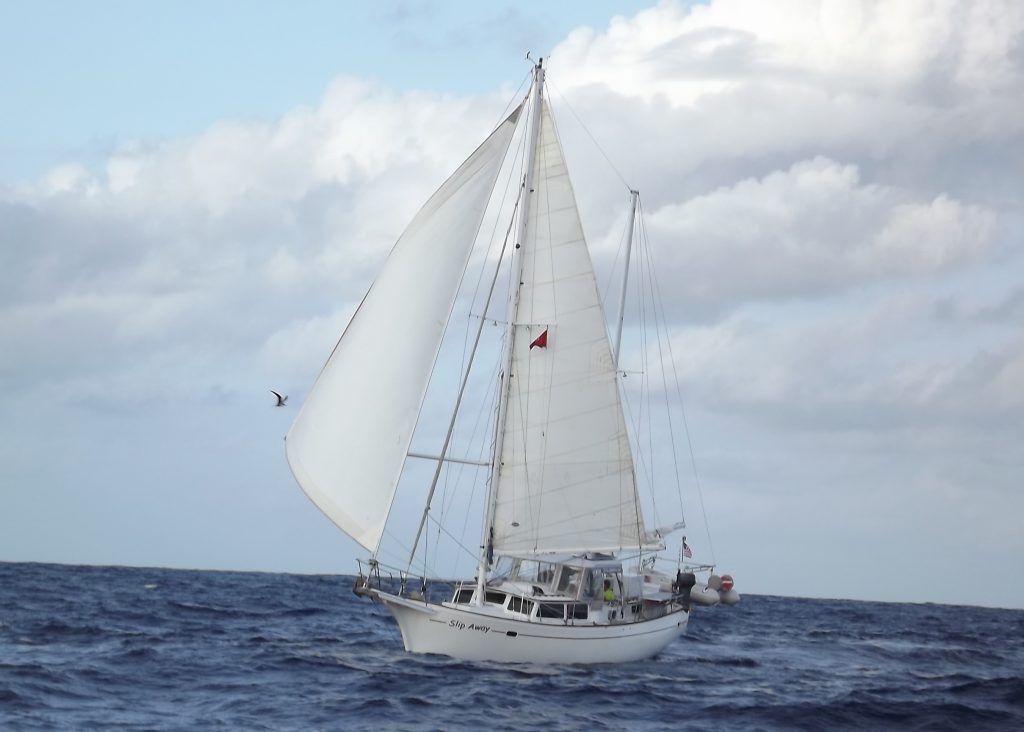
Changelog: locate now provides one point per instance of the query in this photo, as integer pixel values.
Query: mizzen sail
(349, 442)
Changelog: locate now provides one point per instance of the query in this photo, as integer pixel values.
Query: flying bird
(280, 399)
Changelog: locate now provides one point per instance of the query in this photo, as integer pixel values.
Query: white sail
(349, 442)
(566, 478)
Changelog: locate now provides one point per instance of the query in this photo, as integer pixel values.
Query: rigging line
(515, 163)
(447, 502)
(593, 139)
(485, 409)
(496, 321)
(615, 262)
(460, 469)
(426, 538)
(515, 95)
(494, 239)
(639, 458)
(451, 536)
(650, 465)
(644, 417)
(643, 297)
(462, 388)
(497, 219)
(661, 330)
(462, 278)
(499, 389)
(659, 334)
(433, 368)
(628, 416)
(686, 428)
(517, 155)
(422, 564)
(638, 415)
(617, 355)
(637, 511)
(632, 420)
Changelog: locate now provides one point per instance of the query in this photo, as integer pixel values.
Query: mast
(634, 195)
(536, 94)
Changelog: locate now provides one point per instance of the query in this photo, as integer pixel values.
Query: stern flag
(687, 552)
(541, 341)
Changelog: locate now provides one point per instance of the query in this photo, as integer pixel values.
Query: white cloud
(68, 178)
(868, 363)
(939, 234)
(687, 53)
(910, 93)
(814, 228)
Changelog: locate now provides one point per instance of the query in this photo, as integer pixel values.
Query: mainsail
(566, 481)
(349, 443)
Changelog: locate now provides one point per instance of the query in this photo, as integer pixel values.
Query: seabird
(280, 399)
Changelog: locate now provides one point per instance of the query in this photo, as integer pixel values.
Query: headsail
(566, 479)
(349, 442)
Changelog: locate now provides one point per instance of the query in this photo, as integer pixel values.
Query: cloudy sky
(193, 198)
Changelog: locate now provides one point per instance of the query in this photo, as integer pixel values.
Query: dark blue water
(120, 648)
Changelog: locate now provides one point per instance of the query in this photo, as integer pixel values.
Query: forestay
(349, 442)
(566, 478)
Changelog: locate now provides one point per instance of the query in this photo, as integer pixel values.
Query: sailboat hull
(468, 633)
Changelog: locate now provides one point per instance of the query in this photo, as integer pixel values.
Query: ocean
(137, 649)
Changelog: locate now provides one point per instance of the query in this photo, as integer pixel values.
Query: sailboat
(562, 517)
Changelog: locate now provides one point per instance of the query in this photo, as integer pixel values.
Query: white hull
(472, 633)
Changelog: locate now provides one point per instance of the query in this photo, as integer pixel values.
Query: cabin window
(531, 570)
(551, 610)
(503, 568)
(578, 611)
(591, 583)
(520, 605)
(497, 598)
(568, 581)
(463, 597)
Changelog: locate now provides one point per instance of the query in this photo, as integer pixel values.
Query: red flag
(541, 341)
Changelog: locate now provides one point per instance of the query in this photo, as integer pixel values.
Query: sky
(195, 196)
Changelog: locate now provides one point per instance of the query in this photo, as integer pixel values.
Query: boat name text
(459, 625)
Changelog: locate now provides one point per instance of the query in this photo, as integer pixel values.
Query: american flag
(687, 552)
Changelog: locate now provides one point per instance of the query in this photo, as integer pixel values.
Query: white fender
(701, 594)
(731, 597)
